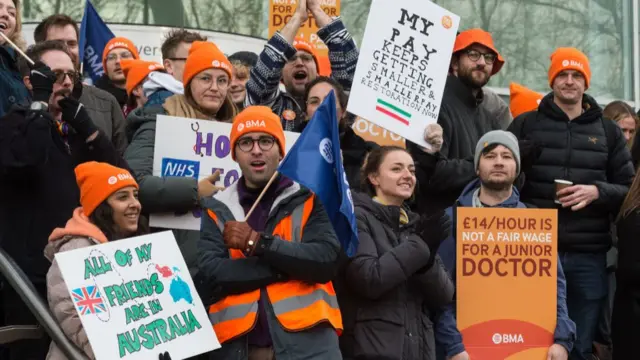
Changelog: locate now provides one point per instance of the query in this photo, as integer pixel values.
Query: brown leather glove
(239, 235)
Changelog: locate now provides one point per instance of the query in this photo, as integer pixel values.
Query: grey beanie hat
(499, 137)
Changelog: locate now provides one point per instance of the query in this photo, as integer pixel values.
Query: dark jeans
(587, 287)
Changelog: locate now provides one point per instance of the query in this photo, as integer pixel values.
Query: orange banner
(506, 286)
(280, 11)
(372, 132)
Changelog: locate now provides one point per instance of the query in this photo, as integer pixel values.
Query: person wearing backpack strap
(580, 147)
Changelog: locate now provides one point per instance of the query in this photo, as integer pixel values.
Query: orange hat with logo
(478, 36)
(205, 55)
(97, 181)
(118, 43)
(522, 99)
(257, 118)
(137, 70)
(302, 45)
(569, 59)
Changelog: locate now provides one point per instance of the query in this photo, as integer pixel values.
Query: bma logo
(326, 150)
(118, 44)
(507, 339)
(574, 63)
(216, 63)
(251, 123)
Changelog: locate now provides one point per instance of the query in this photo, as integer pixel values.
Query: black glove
(42, 80)
(75, 114)
(530, 151)
(164, 356)
(77, 89)
(434, 228)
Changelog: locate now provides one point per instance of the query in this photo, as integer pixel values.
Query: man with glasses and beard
(589, 152)
(442, 175)
(497, 164)
(39, 148)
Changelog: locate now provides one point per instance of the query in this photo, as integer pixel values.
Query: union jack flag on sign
(88, 300)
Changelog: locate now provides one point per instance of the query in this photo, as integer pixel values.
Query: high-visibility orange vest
(297, 305)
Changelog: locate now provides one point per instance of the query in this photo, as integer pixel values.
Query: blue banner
(94, 36)
(315, 161)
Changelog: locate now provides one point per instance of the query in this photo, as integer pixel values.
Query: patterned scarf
(404, 217)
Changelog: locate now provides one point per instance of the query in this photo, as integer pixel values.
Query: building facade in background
(525, 31)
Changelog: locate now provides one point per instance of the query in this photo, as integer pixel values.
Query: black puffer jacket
(441, 178)
(577, 151)
(390, 295)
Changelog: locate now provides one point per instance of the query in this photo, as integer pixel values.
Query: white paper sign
(136, 299)
(403, 65)
(194, 148)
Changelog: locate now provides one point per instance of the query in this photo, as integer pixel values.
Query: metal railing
(16, 278)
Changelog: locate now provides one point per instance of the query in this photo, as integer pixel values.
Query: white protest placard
(403, 65)
(136, 299)
(195, 148)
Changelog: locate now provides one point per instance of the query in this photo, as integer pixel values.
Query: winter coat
(263, 87)
(578, 151)
(448, 337)
(106, 114)
(392, 296)
(12, 91)
(625, 328)
(497, 107)
(314, 260)
(78, 233)
(38, 188)
(104, 83)
(443, 176)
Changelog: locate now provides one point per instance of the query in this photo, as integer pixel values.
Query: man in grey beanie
(497, 164)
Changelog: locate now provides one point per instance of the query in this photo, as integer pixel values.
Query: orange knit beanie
(569, 59)
(137, 70)
(118, 43)
(97, 181)
(204, 55)
(257, 119)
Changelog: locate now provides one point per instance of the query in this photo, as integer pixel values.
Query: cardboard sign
(403, 65)
(194, 148)
(136, 299)
(280, 12)
(372, 132)
(506, 275)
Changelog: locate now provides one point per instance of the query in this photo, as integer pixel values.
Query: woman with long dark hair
(110, 211)
(395, 281)
(625, 323)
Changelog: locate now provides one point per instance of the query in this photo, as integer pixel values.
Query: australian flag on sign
(88, 300)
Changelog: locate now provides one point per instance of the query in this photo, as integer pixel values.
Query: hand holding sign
(433, 137)
(206, 186)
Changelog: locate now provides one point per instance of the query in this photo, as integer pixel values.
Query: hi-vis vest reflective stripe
(297, 305)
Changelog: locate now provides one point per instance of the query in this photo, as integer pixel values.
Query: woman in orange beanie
(207, 75)
(110, 211)
(206, 79)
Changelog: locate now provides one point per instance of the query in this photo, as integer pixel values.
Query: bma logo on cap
(112, 180)
(118, 44)
(216, 63)
(251, 124)
(574, 63)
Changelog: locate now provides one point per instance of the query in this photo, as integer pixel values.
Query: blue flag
(315, 161)
(94, 36)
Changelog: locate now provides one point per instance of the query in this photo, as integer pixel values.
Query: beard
(497, 185)
(466, 76)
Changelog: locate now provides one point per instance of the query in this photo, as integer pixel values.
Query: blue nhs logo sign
(182, 168)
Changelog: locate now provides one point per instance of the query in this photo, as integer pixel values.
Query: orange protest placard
(280, 11)
(372, 132)
(506, 275)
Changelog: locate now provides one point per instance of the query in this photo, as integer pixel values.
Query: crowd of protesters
(272, 290)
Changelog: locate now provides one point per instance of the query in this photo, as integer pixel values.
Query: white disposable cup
(560, 184)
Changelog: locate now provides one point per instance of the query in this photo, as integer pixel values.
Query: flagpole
(253, 207)
(16, 48)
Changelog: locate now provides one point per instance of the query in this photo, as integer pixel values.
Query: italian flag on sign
(393, 111)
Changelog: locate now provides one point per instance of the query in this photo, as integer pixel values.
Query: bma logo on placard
(181, 168)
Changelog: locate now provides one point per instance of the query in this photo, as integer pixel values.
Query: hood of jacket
(592, 111)
(158, 80)
(387, 214)
(466, 198)
(78, 226)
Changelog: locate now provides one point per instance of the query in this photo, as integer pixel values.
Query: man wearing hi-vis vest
(271, 274)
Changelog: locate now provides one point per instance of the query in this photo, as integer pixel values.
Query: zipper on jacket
(568, 157)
